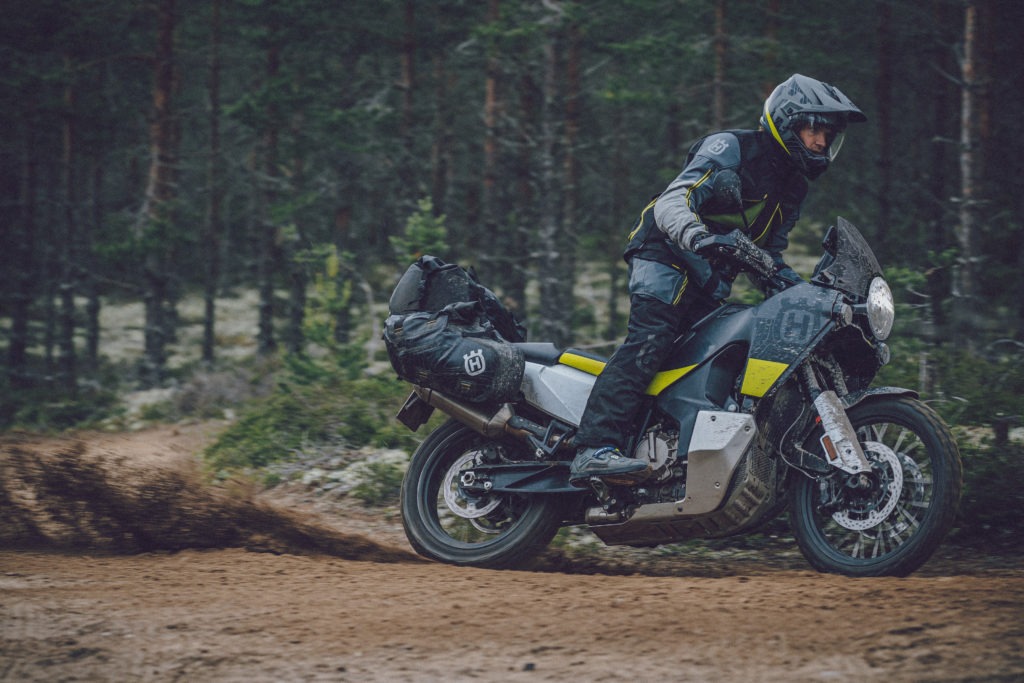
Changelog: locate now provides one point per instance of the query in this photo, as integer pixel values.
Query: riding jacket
(772, 192)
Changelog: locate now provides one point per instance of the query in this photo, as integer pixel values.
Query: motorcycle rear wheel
(895, 529)
(444, 524)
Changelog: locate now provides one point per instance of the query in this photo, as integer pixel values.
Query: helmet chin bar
(811, 165)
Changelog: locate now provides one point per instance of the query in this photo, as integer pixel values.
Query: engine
(724, 483)
(667, 482)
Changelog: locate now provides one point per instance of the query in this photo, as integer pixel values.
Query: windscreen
(849, 263)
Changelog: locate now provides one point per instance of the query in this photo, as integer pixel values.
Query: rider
(679, 271)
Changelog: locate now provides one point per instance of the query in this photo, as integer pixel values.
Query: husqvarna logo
(718, 146)
(797, 326)
(474, 362)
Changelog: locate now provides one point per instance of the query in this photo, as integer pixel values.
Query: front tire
(442, 523)
(893, 529)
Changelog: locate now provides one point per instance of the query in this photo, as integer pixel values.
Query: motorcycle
(761, 409)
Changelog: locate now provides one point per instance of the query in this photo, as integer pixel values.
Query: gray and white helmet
(800, 101)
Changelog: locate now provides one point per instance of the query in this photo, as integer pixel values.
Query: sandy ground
(117, 564)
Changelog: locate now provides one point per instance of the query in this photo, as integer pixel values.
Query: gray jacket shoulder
(723, 149)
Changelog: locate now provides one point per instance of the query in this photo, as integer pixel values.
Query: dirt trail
(128, 568)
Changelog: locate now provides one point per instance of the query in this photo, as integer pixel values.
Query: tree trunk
(771, 39)
(297, 282)
(297, 245)
(937, 229)
(343, 315)
(491, 250)
(49, 271)
(569, 235)
(266, 342)
(67, 376)
(520, 245)
(619, 224)
(883, 124)
(408, 71)
(718, 86)
(88, 280)
(556, 317)
(160, 192)
(215, 173)
(407, 168)
(964, 276)
(441, 149)
(23, 258)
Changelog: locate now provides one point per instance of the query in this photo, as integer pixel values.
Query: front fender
(850, 400)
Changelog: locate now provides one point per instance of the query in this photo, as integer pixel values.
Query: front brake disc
(888, 495)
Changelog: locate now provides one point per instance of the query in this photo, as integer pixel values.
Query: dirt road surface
(118, 564)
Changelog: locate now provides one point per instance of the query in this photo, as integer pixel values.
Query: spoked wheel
(444, 522)
(889, 521)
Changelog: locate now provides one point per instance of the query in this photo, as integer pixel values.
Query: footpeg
(600, 488)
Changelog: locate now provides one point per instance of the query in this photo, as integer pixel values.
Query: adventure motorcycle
(760, 407)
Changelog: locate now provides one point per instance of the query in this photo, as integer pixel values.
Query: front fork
(840, 443)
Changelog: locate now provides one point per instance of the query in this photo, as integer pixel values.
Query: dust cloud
(71, 494)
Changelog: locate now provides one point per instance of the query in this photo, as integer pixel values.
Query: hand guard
(738, 248)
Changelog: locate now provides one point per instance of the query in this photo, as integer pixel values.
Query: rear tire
(498, 531)
(895, 529)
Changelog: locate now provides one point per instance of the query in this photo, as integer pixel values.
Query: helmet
(800, 101)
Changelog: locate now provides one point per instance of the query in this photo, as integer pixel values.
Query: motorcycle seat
(544, 353)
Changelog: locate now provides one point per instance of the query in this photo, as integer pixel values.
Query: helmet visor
(835, 146)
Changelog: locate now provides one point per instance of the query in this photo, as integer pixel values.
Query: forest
(309, 150)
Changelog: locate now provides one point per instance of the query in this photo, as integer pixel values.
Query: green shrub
(993, 497)
(967, 388)
(325, 401)
(382, 485)
(331, 410)
(47, 409)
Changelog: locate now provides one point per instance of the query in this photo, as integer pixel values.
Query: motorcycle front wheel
(893, 526)
(445, 523)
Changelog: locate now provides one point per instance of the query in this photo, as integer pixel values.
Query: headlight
(881, 309)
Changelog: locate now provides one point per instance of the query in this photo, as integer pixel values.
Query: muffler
(493, 426)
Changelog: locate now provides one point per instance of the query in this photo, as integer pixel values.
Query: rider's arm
(677, 211)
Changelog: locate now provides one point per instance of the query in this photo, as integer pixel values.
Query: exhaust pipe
(492, 426)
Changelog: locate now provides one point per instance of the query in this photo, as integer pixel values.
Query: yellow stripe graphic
(590, 366)
(587, 365)
(662, 380)
(694, 187)
(640, 223)
(774, 131)
(760, 376)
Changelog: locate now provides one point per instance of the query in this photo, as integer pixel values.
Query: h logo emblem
(474, 362)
